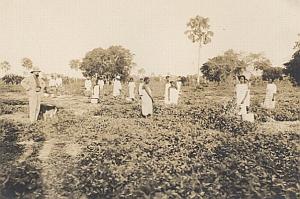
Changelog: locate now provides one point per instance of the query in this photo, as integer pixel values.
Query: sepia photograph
(149, 99)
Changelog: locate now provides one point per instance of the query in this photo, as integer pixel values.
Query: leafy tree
(5, 66)
(223, 66)
(272, 73)
(115, 60)
(141, 71)
(293, 66)
(75, 64)
(198, 32)
(27, 63)
(258, 61)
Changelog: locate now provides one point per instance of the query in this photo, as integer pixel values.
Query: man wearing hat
(34, 85)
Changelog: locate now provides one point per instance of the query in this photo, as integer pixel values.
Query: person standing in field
(117, 87)
(167, 86)
(88, 85)
(52, 86)
(147, 99)
(34, 85)
(242, 95)
(179, 84)
(101, 85)
(173, 93)
(96, 91)
(131, 88)
(271, 91)
(141, 87)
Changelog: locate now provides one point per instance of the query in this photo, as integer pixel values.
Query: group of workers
(35, 85)
(242, 90)
(172, 91)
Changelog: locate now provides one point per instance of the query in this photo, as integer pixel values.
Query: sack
(94, 100)
(248, 117)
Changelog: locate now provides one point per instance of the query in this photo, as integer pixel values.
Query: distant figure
(242, 95)
(147, 99)
(59, 82)
(34, 85)
(271, 91)
(52, 81)
(96, 91)
(52, 86)
(167, 86)
(101, 85)
(88, 86)
(141, 87)
(131, 87)
(179, 84)
(173, 93)
(117, 87)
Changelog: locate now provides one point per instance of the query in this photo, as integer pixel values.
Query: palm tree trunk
(199, 58)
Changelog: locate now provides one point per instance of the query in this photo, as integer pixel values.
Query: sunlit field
(198, 149)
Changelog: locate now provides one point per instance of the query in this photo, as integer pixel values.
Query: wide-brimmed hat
(35, 69)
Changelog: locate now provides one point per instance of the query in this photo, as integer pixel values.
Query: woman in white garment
(242, 95)
(173, 93)
(117, 87)
(101, 85)
(147, 99)
(167, 86)
(271, 91)
(179, 84)
(131, 88)
(88, 86)
(141, 87)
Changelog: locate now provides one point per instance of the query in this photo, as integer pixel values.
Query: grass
(174, 154)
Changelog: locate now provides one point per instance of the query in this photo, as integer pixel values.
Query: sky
(52, 32)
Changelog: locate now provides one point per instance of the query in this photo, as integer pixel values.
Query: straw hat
(35, 69)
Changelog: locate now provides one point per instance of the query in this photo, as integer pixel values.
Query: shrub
(272, 73)
(12, 79)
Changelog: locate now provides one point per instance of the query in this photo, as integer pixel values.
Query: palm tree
(198, 32)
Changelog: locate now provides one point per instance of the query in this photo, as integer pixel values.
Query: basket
(94, 100)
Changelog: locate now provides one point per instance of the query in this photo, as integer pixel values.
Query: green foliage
(272, 73)
(5, 66)
(11, 106)
(109, 62)
(24, 181)
(192, 164)
(27, 63)
(293, 68)
(198, 30)
(224, 67)
(75, 64)
(12, 79)
(18, 179)
(287, 110)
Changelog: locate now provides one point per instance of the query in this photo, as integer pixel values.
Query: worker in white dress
(141, 87)
(242, 95)
(88, 86)
(101, 84)
(167, 86)
(96, 91)
(147, 99)
(117, 87)
(271, 91)
(173, 93)
(179, 84)
(131, 89)
(52, 86)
